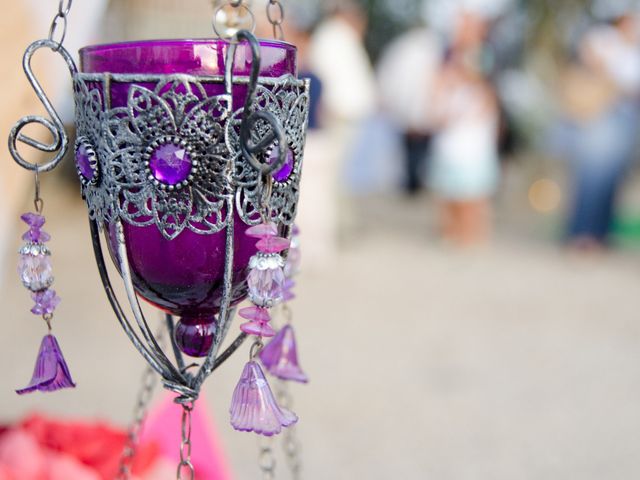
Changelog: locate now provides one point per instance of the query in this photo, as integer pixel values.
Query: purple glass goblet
(161, 108)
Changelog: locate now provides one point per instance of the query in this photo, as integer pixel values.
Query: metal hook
(250, 118)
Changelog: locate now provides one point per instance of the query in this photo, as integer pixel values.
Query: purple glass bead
(273, 244)
(170, 163)
(259, 329)
(35, 235)
(266, 280)
(263, 230)
(287, 290)
(253, 406)
(292, 264)
(46, 302)
(286, 169)
(51, 372)
(280, 356)
(35, 271)
(86, 162)
(34, 220)
(257, 314)
(194, 336)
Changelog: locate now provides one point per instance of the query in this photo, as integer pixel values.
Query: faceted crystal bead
(35, 271)
(287, 168)
(266, 286)
(170, 163)
(85, 159)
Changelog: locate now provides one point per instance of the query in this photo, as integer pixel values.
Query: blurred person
(338, 57)
(406, 74)
(598, 135)
(464, 171)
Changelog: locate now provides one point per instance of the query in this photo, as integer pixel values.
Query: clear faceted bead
(35, 271)
(266, 286)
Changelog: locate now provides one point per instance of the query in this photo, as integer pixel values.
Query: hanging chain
(275, 15)
(60, 22)
(291, 443)
(186, 471)
(266, 458)
(149, 382)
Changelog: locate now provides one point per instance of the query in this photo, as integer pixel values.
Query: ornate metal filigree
(179, 108)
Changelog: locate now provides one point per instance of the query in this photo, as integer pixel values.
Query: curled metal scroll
(251, 118)
(60, 140)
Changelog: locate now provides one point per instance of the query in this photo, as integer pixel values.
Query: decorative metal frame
(232, 174)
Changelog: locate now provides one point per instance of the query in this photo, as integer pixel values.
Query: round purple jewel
(285, 171)
(86, 161)
(194, 336)
(170, 163)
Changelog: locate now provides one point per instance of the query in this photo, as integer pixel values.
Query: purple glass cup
(184, 275)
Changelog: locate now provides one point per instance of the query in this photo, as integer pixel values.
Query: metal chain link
(186, 471)
(149, 382)
(275, 15)
(230, 16)
(64, 7)
(266, 458)
(291, 444)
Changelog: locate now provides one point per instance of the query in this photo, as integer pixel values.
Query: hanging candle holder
(180, 145)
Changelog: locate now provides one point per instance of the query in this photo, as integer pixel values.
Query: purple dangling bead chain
(51, 372)
(253, 406)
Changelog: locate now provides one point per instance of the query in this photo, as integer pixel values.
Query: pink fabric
(162, 428)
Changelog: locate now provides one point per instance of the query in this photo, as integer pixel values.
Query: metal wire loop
(256, 348)
(54, 28)
(64, 7)
(59, 139)
(242, 22)
(275, 15)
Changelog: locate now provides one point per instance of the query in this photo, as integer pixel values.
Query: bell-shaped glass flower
(280, 356)
(51, 372)
(253, 406)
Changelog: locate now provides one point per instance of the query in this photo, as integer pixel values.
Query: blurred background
(470, 220)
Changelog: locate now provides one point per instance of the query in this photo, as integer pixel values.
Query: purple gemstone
(35, 271)
(253, 406)
(194, 336)
(35, 235)
(84, 160)
(286, 169)
(170, 163)
(46, 302)
(33, 219)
